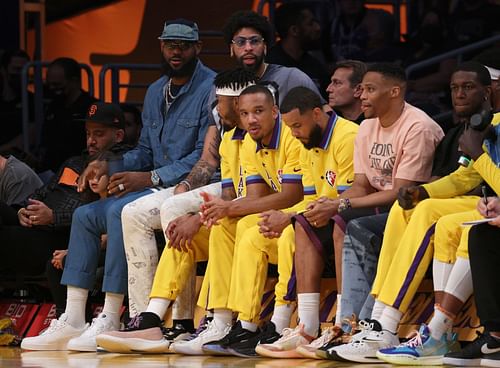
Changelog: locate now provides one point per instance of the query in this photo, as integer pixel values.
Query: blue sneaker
(421, 349)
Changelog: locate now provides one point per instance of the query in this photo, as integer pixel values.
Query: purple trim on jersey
(339, 221)
(332, 121)
(239, 134)
(290, 178)
(275, 139)
(415, 265)
(255, 179)
(226, 183)
(310, 190)
(342, 188)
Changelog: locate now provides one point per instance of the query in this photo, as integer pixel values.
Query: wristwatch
(155, 178)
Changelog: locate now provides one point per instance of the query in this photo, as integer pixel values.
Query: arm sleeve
(459, 182)
(485, 166)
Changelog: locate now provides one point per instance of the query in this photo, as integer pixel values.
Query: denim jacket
(171, 142)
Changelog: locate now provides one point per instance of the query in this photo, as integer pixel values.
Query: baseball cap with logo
(106, 113)
(180, 29)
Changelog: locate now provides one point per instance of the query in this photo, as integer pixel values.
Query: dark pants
(8, 215)
(484, 253)
(26, 250)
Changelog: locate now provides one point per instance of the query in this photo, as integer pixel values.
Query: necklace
(170, 95)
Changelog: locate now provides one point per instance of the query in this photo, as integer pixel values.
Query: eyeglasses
(253, 41)
(181, 45)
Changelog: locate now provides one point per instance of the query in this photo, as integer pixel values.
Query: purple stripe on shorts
(339, 221)
(291, 290)
(327, 306)
(414, 266)
(310, 232)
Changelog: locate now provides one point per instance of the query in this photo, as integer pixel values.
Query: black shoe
(237, 334)
(143, 321)
(483, 348)
(246, 348)
(178, 332)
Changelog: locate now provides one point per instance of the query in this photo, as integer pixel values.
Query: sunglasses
(253, 41)
(181, 45)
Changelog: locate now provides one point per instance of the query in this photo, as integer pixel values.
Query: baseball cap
(180, 29)
(106, 113)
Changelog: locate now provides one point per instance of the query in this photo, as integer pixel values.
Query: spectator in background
(17, 182)
(133, 123)
(299, 32)
(62, 136)
(344, 90)
(43, 222)
(11, 65)
(362, 34)
(490, 58)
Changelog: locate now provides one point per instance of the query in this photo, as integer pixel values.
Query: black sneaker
(246, 348)
(143, 321)
(484, 349)
(237, 334)
(178, 332)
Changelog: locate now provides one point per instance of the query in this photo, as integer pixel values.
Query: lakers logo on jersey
(241, 186)
(280, 175)
(331, 177)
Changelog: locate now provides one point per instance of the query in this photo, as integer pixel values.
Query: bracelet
(186, 183)
(344, 204)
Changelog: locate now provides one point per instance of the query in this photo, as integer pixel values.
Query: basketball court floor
(15, 357)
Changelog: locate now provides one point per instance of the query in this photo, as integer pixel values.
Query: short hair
(247, 19)
(388, 70)
(258, 88)
(134, 110)
(287, 15)
(483, 75)
(302, 98)
(358, 70)
(8, 55)
(234, 78)
(72, 70)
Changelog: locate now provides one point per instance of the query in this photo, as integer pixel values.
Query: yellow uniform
(411, 236)
(175, 266)
(327, 171)
(276, 164)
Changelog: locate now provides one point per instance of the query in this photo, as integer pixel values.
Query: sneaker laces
(134, 323)
(55, 325)
(326, 336)
(415, 340)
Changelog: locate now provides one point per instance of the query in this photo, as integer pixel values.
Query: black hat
(106, 113)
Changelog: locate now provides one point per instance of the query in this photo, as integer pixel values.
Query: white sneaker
(194, 346)
(55, 337)
(286, 346)
(86, 341)
(364, 346)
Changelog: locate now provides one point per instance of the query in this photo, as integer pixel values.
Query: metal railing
(37, 82)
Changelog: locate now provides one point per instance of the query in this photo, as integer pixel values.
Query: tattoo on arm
(200, 174)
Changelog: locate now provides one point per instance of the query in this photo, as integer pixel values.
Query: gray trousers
(362, 243)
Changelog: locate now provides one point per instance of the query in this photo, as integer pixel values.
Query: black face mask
(314, 138)
(186, 71)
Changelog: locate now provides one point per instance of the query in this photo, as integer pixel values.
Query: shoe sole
(186, 350)
(207, 350)
(76, 347)
(277, 354)
(462, 362)
(38, 347)
(490, 363)
(404, 359)
(131, 345)
(307, 353)
(242, 355)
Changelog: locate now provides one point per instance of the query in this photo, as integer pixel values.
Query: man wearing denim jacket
(175, 120)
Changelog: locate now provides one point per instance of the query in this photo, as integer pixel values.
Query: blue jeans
(362, 243)
(89, 223)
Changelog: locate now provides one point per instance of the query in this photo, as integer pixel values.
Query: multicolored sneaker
(142, 335)
(421, 349)
(365, 345)
(285, 347)
(194, 346)
(483, 348)
(236, 335)
(327, 335)
(246, 349)
(342, 338)
(177, 332)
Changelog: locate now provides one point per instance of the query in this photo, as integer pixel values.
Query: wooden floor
(15, 357)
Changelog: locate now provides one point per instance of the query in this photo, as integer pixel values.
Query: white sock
(75, 306)
(112, 304)
(338, 313)
(460, 281)
(440, 323)
(281, 317)
(389, 320)
(222, 318)
(440, 274)
(250, 326)
(158, 306)
(378, 309)
(308, 311)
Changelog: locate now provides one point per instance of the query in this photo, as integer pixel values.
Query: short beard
(185, 71)
(315, 138)
(255, 67)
